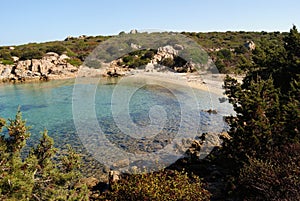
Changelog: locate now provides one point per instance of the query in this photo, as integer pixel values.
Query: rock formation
(164, 52)
(51, 66)
(133, 31)
(250, 45)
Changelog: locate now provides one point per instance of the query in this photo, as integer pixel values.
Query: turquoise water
(48, 105)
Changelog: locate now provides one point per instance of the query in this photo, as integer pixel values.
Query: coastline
(206, 82)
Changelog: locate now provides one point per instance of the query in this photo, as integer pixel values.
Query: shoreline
(206, 82)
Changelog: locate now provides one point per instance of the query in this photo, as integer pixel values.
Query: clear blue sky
(24, 21)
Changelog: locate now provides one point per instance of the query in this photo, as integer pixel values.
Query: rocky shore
(51, 66)
(54, 66)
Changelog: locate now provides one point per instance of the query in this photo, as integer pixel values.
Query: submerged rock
(211, 111)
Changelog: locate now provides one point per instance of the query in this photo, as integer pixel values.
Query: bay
(48, 105)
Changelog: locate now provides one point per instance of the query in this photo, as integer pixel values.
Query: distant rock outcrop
(51, 66)
(166, 58)
(164, 52)
(250, 45)
(133, 31)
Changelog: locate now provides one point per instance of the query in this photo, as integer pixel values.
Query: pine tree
(267, 121)
(41, 175)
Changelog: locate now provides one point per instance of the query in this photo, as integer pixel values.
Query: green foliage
(5, 54)
(59, 49)
(267, 121)
(224, 54)
(137, 58)
(220, 66)
(7, 62)
(41, 175)
(18, 134)
(74, 61)
(31, 54)
(263, 103)
(6, 57)
(253, 130)
(169, 62)
(159, 186)
(2, 123)
(241, 49)
(233, 42)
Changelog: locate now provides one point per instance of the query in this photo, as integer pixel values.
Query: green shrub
(224, 54)
(127, 59)
(171, 185)
(74, 61)
(7, 62)
(149, 54)
(220, 65)
(31, 54)
(59, 49)
(70, 53)
(241, 49)
(5, 54)
(168, 62)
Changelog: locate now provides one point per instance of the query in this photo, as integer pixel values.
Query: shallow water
(48, 105)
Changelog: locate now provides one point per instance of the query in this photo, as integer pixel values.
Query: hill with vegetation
(230, 51)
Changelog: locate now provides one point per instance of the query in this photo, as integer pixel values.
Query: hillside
(231, 51)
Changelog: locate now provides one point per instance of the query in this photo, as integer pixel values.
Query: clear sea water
(48, 105)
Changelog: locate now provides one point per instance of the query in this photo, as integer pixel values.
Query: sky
(26, 21)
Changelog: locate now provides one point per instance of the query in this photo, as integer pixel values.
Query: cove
(48, 105)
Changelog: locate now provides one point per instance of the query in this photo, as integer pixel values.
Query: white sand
(211, 83)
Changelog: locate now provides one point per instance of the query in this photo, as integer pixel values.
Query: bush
(59, 49)
(7, 62)
(224, 54)
(241, 49)
(220, 66)
(277, 178)
(168, 62)
(149, 54)
(31, 54)
(5, 55)
(171, 185)
(128, 59)
(74, 61)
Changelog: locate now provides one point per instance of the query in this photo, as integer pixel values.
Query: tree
(257, 117)
(18, 134)
(281, 60)
(267, 118)
(37, 176)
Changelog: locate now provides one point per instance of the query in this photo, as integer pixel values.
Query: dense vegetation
(228, 50)
(76, 48)
(264, 149)
(164, 185)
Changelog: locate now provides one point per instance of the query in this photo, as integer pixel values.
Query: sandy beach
(206, 82)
